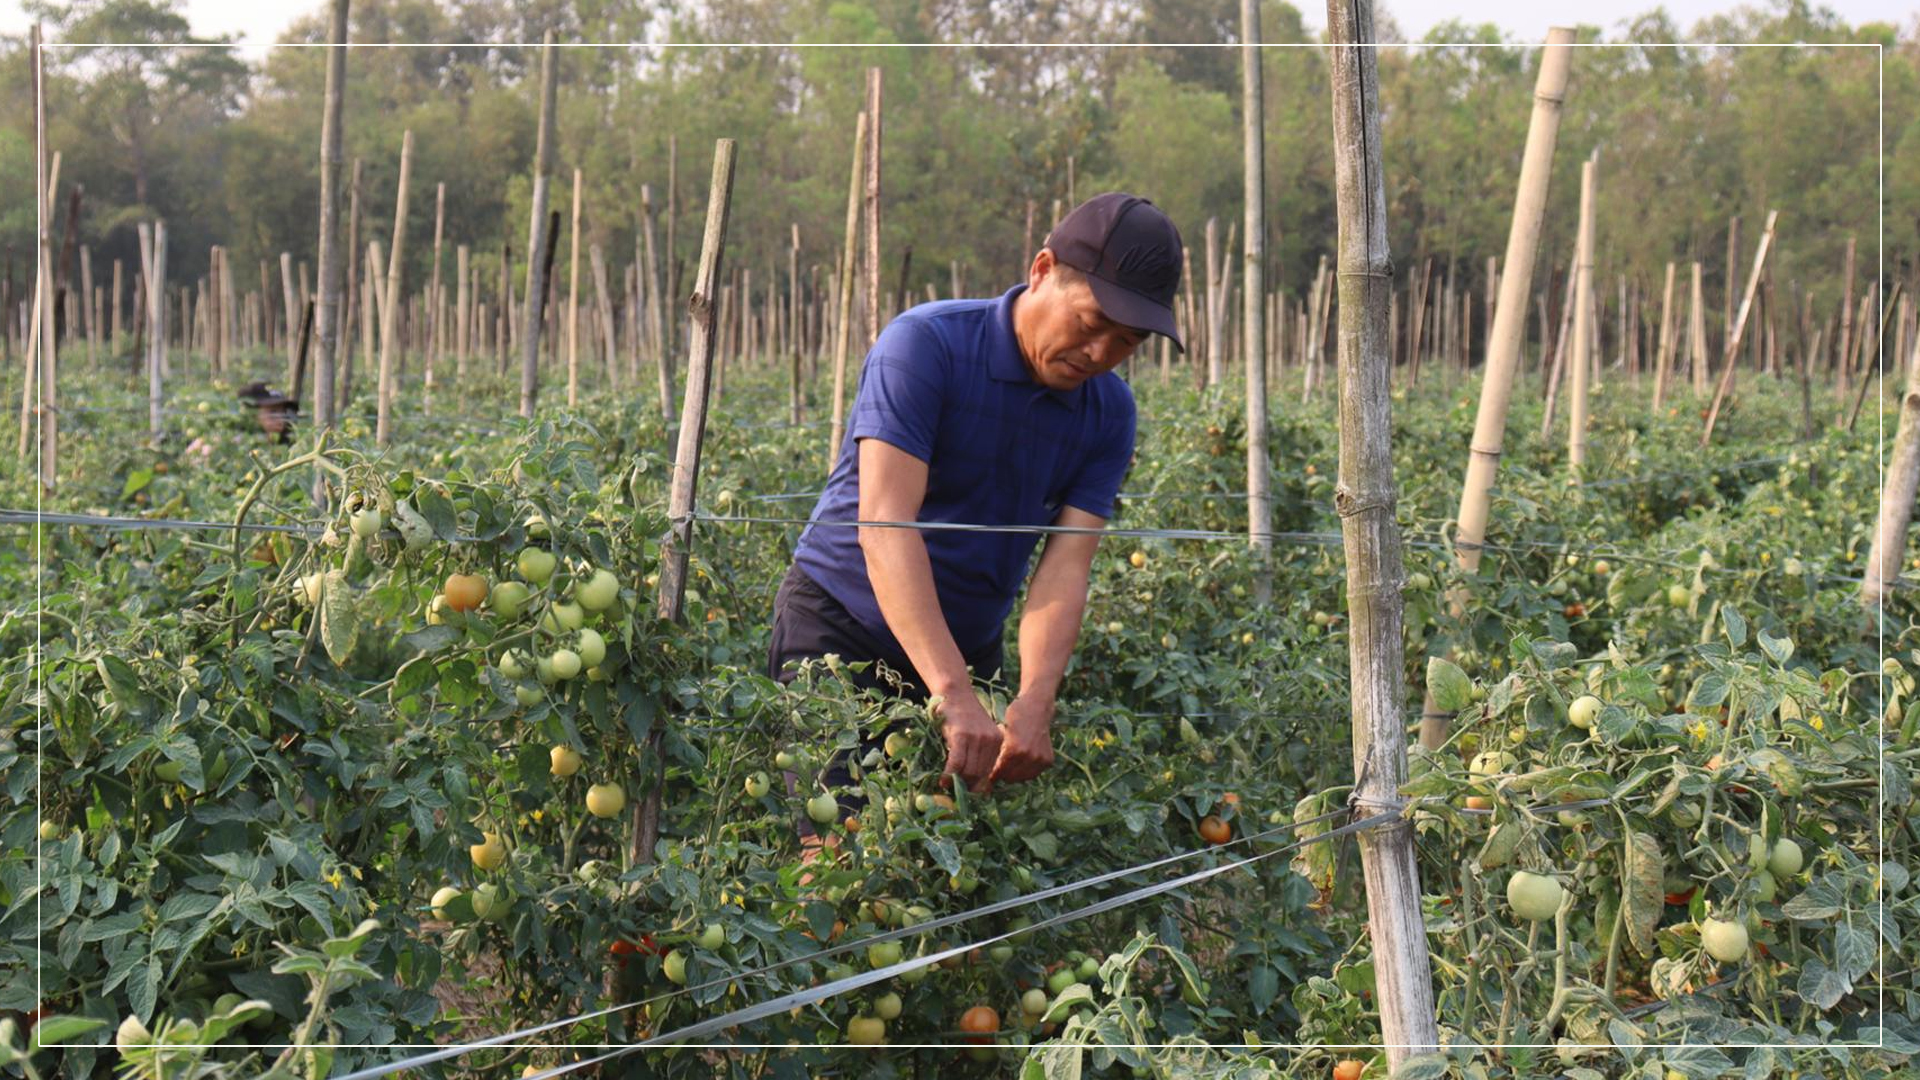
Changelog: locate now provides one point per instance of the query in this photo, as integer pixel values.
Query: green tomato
(366, 523)
(1724, 940)
(823, 809)
(168, 771)
(1583, 711)
(885, 954)
(535, 564)
(1088, 969)
(562, 619)
(1034, 1002)
(566, 664)
(785, 760)
(509, 599)
(528, 696)
(491, 902)
(512, 664)
(1062, 978)
(757, 785)
(713, 936)
(1001, 953)
(674, 967)
(1786, 858)
(599, 592)
(1678, 596)
(1765, 888)
(1534, 897)
(887, 1006)
(444, 895)
(591, 647)
(866, 1031)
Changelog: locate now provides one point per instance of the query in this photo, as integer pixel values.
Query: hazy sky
(260, 22)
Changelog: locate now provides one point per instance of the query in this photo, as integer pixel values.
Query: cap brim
(1129, 308)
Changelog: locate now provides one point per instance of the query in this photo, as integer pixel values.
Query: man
(984, 412)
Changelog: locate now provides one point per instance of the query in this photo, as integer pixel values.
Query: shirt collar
(1004, 361)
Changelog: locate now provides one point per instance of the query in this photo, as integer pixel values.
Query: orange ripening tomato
(980, 1023)
(1214, 831)
(464, 592)
(1349, 1069)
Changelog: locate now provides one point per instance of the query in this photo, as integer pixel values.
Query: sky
(1526, 20)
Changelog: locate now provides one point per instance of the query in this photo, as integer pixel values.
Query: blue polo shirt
(946, 383)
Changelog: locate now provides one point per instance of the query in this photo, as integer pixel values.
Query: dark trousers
(809, 624)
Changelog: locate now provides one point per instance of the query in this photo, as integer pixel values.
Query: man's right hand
(973, 740)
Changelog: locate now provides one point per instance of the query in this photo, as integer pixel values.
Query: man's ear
(1040, 269)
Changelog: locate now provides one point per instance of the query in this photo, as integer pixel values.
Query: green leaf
(1736, 626)
(339, 620)
(1642, 890)
(1449, 687)
(1779, 648)
(1816, 902)
(1263, 985)
(61, 1029)
(137, 480)
(1430, 1066)
(1077, 994)
(1853, 950)
(1820, 986)
(1711, 690)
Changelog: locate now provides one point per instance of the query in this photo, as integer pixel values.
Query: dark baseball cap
(1131, 255)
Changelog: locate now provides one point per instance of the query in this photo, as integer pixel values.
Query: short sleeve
(900, 394)
(1095, 486)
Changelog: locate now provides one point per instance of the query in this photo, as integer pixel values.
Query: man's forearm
(1049, 629)
(902, 578)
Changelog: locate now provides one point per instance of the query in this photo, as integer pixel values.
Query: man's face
(1071, 339)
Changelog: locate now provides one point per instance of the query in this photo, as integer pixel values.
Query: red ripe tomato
(1214, 831)
(1348, 1069)
(980, 1023)
(1679, 898)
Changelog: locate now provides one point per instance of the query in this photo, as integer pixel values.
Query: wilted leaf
(1642, 891)
(1447, 685)
(339, 620)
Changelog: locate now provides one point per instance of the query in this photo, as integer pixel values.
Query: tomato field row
(377, 783)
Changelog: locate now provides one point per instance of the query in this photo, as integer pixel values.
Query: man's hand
(1027, 749)
(973, 740)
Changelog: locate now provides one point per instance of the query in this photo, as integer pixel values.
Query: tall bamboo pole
(350, 301)
(873, 206)
(1739, 328)
(1505, 337)
(1583, 326)
(1697, 335)
(462, 309)
(844, 321)
(536, 229)
(1662, 359)
(1254, 292)
(434, 329)
(1889, 548)
(672, 586)
(573, 302)
(604, 305)
(795, 328)
(288, 304)
(390, 308)
(156, 331)
(48, 400)
(1365, 498)
(1844, 342)
(656, 306)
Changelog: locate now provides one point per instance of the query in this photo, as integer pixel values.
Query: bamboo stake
(462, 309)
(1889, 548)
(1582, 325)
(335, 318)
(288, 304)
(537, 259)
(390, 308)
(605, 304)
(113, 309)
(844, 321)
(662, 352)
(573, 302)
(1561, 339)
(1254, 335)
(1697, 335)
(156, 329)
(1663, 357)
(1215, 312)
(1871, 346)
(795, 342)
(1739, 327)
(40, 347)
(433, 326)
(86, 292)
(1365, 499)
(672, 586)
(873, 206)
(1505, 337)
(1844, 342)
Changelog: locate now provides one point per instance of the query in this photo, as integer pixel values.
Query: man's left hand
(1026, 751)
